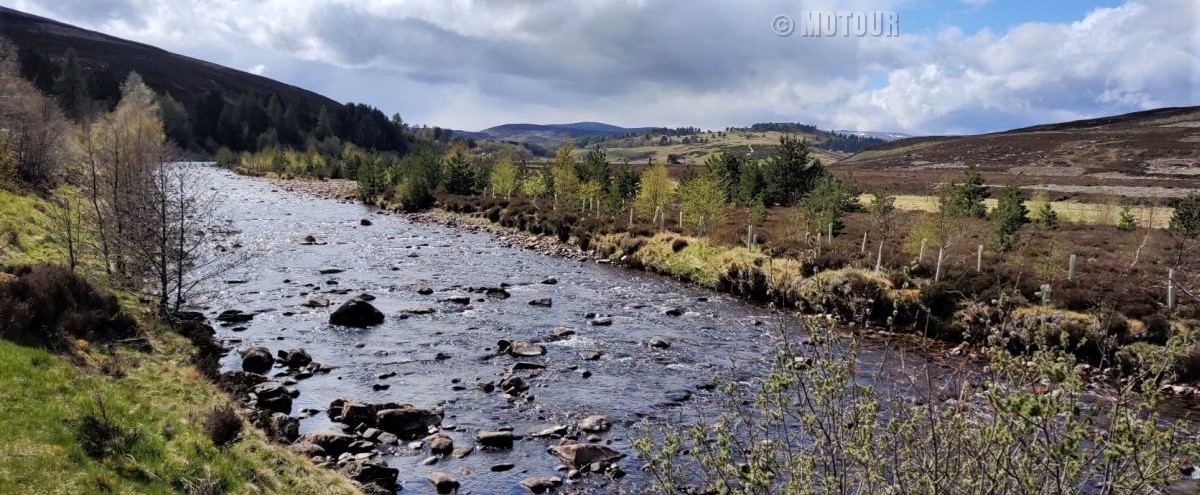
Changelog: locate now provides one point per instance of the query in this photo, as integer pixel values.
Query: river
(437, 358)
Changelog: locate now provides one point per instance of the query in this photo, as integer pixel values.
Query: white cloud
(259, 69)
(475, 63)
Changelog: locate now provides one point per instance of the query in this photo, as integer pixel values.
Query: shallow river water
(392, 257)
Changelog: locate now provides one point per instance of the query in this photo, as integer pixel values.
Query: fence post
(631, 216)
(863, 249)
(937, 273)
(1071, 268)
(921, 254)
(879, 257)
(749, 235)
(979, 259)
(830, 233)
(1171, 289)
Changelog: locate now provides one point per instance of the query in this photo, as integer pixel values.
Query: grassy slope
(763, 144)
(1068, 211)
(161, 397)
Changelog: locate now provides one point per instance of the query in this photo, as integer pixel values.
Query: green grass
(25, 233)
(161, 401)
(157, 399)
(1068, 211)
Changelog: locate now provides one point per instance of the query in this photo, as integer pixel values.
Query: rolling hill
(1149, 154)
(221, 106)
(188, 79)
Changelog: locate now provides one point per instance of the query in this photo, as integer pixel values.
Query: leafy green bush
(817, 425)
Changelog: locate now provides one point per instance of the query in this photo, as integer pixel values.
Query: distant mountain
(550, 135)
(886, 136)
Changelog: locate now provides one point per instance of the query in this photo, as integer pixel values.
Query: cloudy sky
(957, 66)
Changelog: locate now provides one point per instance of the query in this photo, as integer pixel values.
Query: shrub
(222, 425)
(50, 306)
(101, 437)
(818, 424)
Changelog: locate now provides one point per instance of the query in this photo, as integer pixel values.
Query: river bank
(851, 295)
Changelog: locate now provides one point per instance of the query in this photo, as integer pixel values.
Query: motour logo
(859, 24)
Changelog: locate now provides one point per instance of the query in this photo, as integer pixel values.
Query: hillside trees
(458, 171)
(655, 192)
(503, 178)
(702, 201)
(31, 125)
(965, 199)
(791, 172)
(1008, 217)
(564, 179)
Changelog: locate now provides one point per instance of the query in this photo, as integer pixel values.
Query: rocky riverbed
(437, 352)
(484, 364)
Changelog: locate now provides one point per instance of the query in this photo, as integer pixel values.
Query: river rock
(330, 270)
(295, 358)
(273, 396)
(257, 360)
(495, 439)
(239, 383)
(513, 385)
(550, 281)
(419, 310)
(581, 455)
(424, 291)
(315, 301)
(557, 431)
(365, 222)
(674, 312)
(282, 428)
(442, 482)
(372, 472)
(234, 316)
(356, 313)
(307, 449)
(463, 300)
(658, 343)
(541, 484)
(602, 321)
(441, 445)
(595, 424)
(333, 443)
(497, 293)
(406, 421)
(544, 302)
(520, 348)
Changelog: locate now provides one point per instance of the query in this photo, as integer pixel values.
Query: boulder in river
(282, 428)
(441, 445)
(295, 358)
(372, 472)
(544, 302)
(497, 293)
(658, 343)
(257, 360)
(366, 222)
(234, 316)
(356, 313)
(273, 396)
(330, 270)
(519, 348)
(332, 443)
(541, 484)
(595, 424)
(315, 301)
(407, 421)
(581, 455)
(443, 483)
(495, 439)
